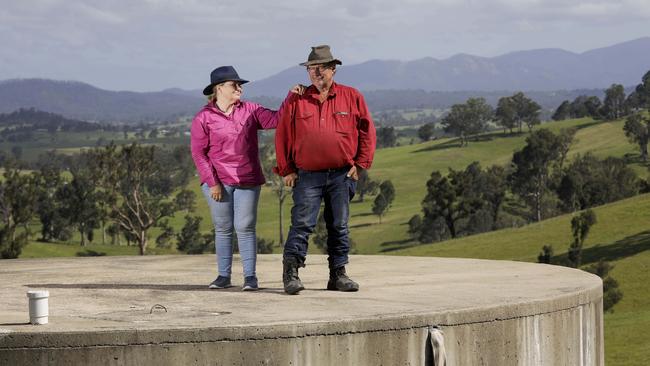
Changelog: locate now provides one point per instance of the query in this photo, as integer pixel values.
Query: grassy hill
(621, 234)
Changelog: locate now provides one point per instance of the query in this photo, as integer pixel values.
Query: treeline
(614, 106)
(538, 184)
(21, 125)
(124, 191)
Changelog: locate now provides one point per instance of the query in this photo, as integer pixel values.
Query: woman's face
(230, 91)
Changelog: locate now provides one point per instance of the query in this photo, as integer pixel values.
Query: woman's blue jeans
(237, 209)
(336, 190)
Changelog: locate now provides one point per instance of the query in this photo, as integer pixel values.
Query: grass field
(621, 235)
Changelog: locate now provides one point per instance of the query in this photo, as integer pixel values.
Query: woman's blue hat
(221, 74)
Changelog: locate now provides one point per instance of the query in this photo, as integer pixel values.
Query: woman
(225, 152)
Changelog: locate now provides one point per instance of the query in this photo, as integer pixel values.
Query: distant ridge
(539, 70)
(78, 100)
(548, 75)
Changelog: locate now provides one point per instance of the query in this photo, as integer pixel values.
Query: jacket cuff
(283, 172)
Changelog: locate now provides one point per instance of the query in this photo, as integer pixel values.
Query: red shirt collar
(313, 92)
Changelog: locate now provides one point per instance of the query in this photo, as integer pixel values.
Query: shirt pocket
(304, 120)
(219, 133)
(345, 123)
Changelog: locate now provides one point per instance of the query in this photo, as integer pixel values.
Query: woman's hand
(298, 89)
(216, 192)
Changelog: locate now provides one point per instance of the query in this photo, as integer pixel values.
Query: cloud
(155, 44)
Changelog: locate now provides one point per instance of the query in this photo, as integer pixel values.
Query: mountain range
(553, 73)
(540, 70)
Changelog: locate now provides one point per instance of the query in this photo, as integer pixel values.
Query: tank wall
(569, 337)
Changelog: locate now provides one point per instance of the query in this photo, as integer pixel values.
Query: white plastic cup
(38, 307)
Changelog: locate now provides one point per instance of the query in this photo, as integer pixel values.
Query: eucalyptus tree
(138, 188)
(637, 130)
(384, 199)
(614, 102)
(18, 195)
(468, 119)
(532, 169)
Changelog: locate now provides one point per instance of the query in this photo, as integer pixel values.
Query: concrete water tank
(157, 310)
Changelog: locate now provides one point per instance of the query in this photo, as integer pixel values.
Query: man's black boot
(292, 284)
(339, 281)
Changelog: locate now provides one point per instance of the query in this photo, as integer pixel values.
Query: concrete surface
(109, 310)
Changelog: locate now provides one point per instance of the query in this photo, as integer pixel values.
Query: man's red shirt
(336, 133)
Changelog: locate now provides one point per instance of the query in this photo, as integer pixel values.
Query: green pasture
(621, 234)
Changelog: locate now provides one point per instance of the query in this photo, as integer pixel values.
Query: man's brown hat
(320, 55)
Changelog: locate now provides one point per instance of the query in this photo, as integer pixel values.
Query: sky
(151, 45)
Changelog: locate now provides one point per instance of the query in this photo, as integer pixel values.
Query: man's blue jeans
(237, 209)
(336, 190)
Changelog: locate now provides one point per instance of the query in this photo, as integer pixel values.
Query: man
(325, 137)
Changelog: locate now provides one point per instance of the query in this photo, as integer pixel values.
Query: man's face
(321, 75)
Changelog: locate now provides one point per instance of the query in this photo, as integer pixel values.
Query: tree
(163, 240)
(137, 186)
(640, 97)
(468, 119)
(611, 293)
(594, 106)
(267, 157)
(386, 137)
(637, 130)
(48, 181)
(365, 185)
(452, 199)
(17, 206)
(319, 237)
(153, 134)
(565, 140)
(614, 103)
(494, 186)
(77, 203)
(189, 239)
(384, 199)
(527, 110)
(532, 165)
(546, 255)
(415, 226)
(562, 112)
(589, 181)
(506, 113)
(185, 200)
(580, 227)
(265, 246)
(425, 132)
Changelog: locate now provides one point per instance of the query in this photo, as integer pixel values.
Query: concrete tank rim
(591, 291)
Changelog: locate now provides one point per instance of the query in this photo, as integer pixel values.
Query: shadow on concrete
(151, 286)
(127, 286)
(14, 324)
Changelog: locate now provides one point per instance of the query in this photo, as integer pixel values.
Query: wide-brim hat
(221, 74)
(320, 55)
